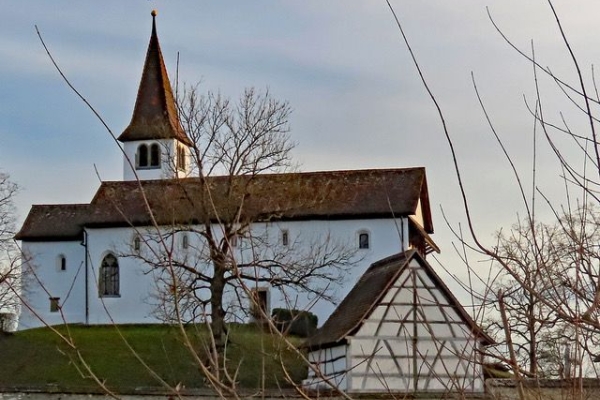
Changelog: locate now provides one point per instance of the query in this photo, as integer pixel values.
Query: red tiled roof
(379, 193)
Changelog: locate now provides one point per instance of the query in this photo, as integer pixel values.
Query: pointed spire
(155, 114)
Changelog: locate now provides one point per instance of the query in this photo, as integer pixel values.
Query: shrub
(295, 322)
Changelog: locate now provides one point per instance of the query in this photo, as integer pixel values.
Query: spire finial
(154, 13)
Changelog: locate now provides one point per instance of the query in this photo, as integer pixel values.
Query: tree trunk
(533, 360)
(217, 288)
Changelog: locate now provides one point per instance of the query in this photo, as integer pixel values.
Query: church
(125, 256)
(138, 244)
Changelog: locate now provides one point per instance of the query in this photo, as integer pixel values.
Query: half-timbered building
(400, 329)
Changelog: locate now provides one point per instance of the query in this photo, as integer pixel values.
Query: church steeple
(155, 144)
(155, 114)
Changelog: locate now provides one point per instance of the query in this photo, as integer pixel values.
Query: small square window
(54, 304)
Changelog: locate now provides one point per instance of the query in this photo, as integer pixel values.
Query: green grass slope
(40, 358)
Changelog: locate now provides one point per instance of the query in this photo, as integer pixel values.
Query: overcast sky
(342, 65)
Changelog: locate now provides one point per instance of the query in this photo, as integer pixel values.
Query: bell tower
(155, 144)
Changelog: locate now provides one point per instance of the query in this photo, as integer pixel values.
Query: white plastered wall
(45, 280)
(138, 285)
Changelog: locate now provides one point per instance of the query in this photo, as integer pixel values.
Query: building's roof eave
(327, 195)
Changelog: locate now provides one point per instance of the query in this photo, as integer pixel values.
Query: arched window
(142, 156)
(109, 277)
(154, 155)
(364, 240)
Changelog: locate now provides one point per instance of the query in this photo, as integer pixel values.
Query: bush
(295, 322)
(8, 322)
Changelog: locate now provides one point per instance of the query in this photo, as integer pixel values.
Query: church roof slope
(54, 222)
(155, 114)
(368, 292)
(353, 194)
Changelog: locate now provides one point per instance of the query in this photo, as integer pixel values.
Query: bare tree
(10, 278)
(560, 255)
(546, 258)
(212, 267)
(549, 292)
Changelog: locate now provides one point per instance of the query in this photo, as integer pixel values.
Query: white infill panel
(330, 366)
(369, 328)
(378, 313)
(367, 347)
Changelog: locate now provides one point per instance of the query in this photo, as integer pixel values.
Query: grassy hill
(40, 358)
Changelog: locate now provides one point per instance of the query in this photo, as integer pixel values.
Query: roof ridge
(274, 174)
(61, 205)
(394, 257)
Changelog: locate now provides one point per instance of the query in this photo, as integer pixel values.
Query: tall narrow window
(137, 243)
(363, 240)
(109, 277)
(154, 155)
(185, 242)
(61, 263)
(181, 164)
(285, 237)
(142, 156)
